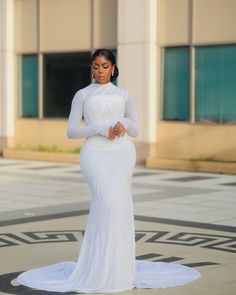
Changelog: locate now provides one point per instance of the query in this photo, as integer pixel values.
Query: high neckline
(101, 84)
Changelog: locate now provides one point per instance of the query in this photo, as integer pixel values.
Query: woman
(106, 261)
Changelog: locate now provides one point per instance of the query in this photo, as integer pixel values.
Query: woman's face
(102, 69)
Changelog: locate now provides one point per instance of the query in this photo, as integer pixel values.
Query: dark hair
(109, 56)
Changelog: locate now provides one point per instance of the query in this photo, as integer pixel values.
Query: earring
(112, 73)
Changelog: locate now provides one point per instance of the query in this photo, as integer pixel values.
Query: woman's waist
(99, 142)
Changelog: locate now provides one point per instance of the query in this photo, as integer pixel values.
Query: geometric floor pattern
(180, 217)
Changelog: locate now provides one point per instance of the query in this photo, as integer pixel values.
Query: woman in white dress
(106, 261)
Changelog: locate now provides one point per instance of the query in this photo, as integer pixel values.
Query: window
(176, 83)
(215, 84)
(29, 72)
(64, 74)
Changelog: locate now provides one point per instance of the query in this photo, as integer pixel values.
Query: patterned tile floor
(183, 217)
(30, 188)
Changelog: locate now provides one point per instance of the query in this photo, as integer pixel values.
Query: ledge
(192, 165)
(41, 156)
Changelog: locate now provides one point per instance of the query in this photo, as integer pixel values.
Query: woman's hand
(111, 133)
(118, 130)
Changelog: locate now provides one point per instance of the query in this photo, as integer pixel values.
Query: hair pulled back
(109, 56)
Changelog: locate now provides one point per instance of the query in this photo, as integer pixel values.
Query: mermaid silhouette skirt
(106, 261)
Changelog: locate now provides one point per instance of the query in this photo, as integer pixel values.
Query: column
(137, 59)
(7, 109)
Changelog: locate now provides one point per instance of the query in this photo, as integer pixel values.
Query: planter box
(41, 156)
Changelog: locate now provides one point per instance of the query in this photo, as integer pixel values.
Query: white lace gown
(106, 261)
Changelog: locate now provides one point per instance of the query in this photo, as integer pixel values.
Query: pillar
(137, 60)
(7, 109)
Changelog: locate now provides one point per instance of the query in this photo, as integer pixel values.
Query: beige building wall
(26, 26)
(65, 25)
(214, 21)
(197, 22)
(32, 133)
(104, 24)
(192, 23)
(140, 29)
(175, 22)
(52, 26)
(196, 142)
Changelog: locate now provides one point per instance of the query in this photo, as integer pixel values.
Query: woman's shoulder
(109, 89)
(86, 88)
(122, 91)
(82, 92)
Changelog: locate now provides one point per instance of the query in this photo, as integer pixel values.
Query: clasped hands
(118, 130)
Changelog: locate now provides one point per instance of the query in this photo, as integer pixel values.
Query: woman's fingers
(111, 133)
(118, 130)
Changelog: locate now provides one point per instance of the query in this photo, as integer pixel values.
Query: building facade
(177, 57)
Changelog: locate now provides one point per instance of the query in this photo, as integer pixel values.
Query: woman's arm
(74, 128)
(130, 120)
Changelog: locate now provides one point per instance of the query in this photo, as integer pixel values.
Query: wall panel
(175, 22)
(105, 23)
(26, 25)
(186, 141)
(65, 25)
(214, 21)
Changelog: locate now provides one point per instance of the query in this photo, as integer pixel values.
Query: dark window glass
(64, 74)
(176, 83)
(29, 71)
(216, 84)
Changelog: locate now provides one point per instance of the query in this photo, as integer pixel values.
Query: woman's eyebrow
(105, 63)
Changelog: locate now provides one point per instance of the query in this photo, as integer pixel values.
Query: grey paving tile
(10, 164)
(73, 171)
(178, 215)
(147, 197)
(145, 173)
(145, 191)
(169, 206)
(190, 178)
(228, 221)
(216, 204)
(230, 183)
(222, 196)
(44, 167)
(43, 210)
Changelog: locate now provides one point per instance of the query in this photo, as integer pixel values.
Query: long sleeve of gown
(74, 127)
(130, 120)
